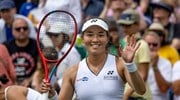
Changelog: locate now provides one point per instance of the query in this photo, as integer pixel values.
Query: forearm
(137, 82)
(161, 82)
(104, 12)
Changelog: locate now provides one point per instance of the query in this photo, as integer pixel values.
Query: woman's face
(118, 5)
(95, 40)
(57, 40)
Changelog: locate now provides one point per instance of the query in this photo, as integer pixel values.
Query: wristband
(131, 67)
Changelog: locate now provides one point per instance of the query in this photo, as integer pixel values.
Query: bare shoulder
(120, 62)
(71, 72)
(121, 67)
(14, 92)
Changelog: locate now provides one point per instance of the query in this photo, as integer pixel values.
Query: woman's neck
(96, 63)
(96, 60)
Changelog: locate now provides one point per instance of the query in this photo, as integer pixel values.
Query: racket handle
(44, 96)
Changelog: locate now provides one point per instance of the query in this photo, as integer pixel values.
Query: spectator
(160, 72)
(72, 6)
(50, 53)
(59, 36)
(172, 54)
(116, 40)
(7, 71)
(23, 51)
(113, 8)
(130, 21)
(28, 6)
(161, 13)
(91, 8)
(176, 80)
(7, 13)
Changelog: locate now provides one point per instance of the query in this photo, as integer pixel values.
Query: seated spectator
(23, 51)
(176, 80)
(172, 54)
(160, 72)
(8, 14)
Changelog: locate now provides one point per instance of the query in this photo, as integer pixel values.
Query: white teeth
(95, 44)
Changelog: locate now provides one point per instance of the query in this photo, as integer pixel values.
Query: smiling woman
(94, 75)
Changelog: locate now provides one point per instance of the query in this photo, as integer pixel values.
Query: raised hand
(128, 53)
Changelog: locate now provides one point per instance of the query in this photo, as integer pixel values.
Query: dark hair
(50, 53)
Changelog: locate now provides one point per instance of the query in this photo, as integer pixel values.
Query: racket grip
(44, 96)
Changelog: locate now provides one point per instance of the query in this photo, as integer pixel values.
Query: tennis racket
(53, 23)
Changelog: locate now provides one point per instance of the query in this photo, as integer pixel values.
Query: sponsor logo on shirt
(110, 76)
(83, 79)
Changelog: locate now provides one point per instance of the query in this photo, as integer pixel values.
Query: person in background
(8, 15)
(59, 35)
(90, 9)
(162, 11)
(50, 53)
(7, 71)
(172, 54)
(28, 6)
(130, 22)
(23, 51)
(160, 72)
(116, 40)
(113, 9)
(176, 80)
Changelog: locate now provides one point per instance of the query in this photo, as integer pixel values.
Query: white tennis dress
(107, 85)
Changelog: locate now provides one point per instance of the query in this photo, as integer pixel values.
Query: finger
(136, 47)
(133, 42)
(128, 40)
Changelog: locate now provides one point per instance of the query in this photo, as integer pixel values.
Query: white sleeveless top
(107, 85)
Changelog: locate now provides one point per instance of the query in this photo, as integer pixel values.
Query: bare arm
(176, 87)
(17, 93)
(130, 70)
(161, 82)
(67, 88)
(133, 78)
(135, 81)
(105, 9)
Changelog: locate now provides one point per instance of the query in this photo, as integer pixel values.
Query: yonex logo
(94, 20)
(110, 72)
(83, 79)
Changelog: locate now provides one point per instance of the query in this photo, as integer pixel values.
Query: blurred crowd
(154, 23)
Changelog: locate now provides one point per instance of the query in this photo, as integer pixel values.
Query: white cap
(95, 21)
(59, 27)
(156, 26)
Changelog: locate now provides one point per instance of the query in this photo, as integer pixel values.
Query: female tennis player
(101, 76)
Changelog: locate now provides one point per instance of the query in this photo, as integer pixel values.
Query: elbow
(163, 89)
(142, 92)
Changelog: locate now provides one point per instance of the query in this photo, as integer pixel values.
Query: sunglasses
(153, 44)
(18, 29)
(52, 34)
